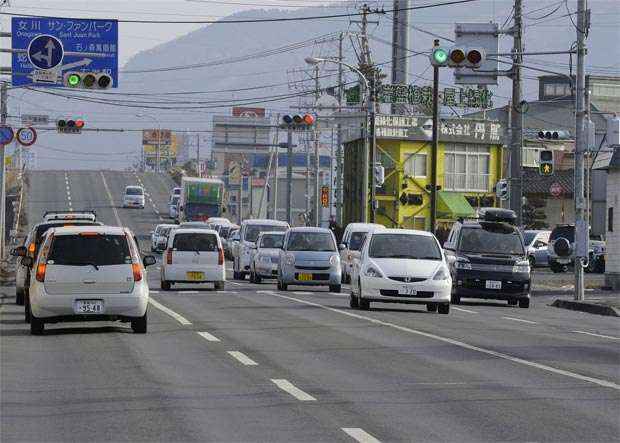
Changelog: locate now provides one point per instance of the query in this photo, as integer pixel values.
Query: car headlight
(522, 267)
(334, 260)
(441, 274)
(289, 259)
(462, 263)
(373, 272)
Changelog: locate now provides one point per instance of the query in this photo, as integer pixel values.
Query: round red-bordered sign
(556, 190)
(26, 136)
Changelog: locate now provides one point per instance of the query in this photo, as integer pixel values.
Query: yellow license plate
(195, 276)
(304, 277)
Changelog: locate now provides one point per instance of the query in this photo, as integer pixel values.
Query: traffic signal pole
(3, 115)
(435, 147)
(516, 117)
(289, 176)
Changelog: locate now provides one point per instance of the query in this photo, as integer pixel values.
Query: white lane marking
(290, 388)
(107, 190)
(596, 335)
(264, 292)
(302, 293)
(360, 435)
(208, 336)
(234, 283)
(187, 292)
(69, 197)
(244, 359)
(153, 292)
(597, 381)
(520, 319)
(464, 310)
(170, 312)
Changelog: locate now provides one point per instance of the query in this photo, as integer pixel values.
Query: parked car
(536, 245)
(88, 273)
(159, 237)
(267, 256)
(309, 257)
(244, 249)
(193, 256)
(401, 266)
(596, 257)
(133, 197)
(352, 240)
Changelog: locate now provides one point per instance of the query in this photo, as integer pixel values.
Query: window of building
(610, 219)
(531, 157)
(557, 90)
(466, 168)
(419, 223)
(415, 165)
(605, 91)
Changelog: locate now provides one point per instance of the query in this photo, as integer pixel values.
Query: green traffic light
(73, 80)
(440, 56)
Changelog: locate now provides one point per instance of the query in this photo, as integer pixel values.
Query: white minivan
(350, 245)
(193, 256)
(248, 234)
(133, 197)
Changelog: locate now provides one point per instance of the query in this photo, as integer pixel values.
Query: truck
(201, 199)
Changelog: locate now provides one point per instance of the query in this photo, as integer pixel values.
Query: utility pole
(400, 48)
(373, 148)
(198, 154)
(3, 115)
(289, 176)
(435, 147)
(516, 135)
(369, 152)
(317, 182)
(581, 223)
(339, 153)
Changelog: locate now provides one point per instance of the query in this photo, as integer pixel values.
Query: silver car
(309, 257)
(267, 256)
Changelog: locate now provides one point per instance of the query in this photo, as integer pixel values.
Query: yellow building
(469, 164)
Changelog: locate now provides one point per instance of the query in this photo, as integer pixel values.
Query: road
(251, 363)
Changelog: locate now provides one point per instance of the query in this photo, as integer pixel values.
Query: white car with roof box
(89, 273)
(193, 256)
(401, 266)
(248, 234)
(350, 245)
(134, 197)
(69, 215)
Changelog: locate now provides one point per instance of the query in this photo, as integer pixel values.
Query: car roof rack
(497, 215)
(73, 211)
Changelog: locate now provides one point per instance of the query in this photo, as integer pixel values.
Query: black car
(488, 260)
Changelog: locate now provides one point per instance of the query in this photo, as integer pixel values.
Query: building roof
(534, 183)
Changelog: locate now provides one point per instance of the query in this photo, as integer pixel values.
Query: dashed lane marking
(360, 435)
(241, 357)
(208, 336)
(293, 390)
(520, 320)
(464, 310)
(107, 190)
(302, 293)
(170, 312)
(597, 335)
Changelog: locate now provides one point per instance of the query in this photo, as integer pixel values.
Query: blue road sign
(82, 45)
(6, 135)
(45, 52)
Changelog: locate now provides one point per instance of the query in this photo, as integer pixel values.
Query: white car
(401, 266)
(244, 250)
(193, 256)
(133, 197)
(159, 237)
(173, 212)
(267, 256)
(69, 215)
(350, 245)
(89, 273)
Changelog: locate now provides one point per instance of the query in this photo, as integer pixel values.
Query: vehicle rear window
(252, 231)
(81, 250)
(567, 232)
(273, 241)
(491, 238)
(406, 246)
(195, 242)
(133, 191)
(311, 241)
(356, 241)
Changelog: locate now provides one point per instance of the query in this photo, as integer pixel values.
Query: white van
(352, 241)
(243, 251)
(133, 197)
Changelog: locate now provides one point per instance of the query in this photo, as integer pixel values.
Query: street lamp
(369, 138)
(157, 158)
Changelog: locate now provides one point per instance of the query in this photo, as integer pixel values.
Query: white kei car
(401, 266)
(193, 256)
(89, 273)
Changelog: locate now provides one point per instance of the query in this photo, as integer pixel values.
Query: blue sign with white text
(44, 49)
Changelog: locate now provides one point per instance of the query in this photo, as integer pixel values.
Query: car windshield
(133, 191)
(491, 238)
(567, 232)
(356, 241)
(97, 250)
(311, 241)
(252, 231)
(273, 241)
(406, 246)
(528, 237)
(195, 242)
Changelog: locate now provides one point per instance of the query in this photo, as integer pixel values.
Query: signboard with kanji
(325, 196)
(416, 95)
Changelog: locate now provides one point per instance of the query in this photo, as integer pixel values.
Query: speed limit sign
(26, 136)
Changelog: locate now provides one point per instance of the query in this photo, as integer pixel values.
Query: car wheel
(257, 279)
(512, 302)
(353, 301)
(165, 285)
(19, 297)
(444, 308)
(282, 286)
(335, 288)
(455, 299)
(524, 303)
(139, 324)
(36, 325)
(219, 285)
(431, 307)
(364, 304)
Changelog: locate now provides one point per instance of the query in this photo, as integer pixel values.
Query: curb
(591, 308)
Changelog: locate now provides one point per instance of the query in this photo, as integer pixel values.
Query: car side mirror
(20, 251)
(342, 247)
(149, 260)
(28, 262)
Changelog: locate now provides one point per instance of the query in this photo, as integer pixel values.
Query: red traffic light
(79, 124)
(474, 57)
(308, 119)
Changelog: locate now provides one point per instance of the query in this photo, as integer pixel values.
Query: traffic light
(460, 57)
(297, 121)
(439, 56)
(553, 134)
(545, 163)
(87, 80)
(72, 126)
(502, 189)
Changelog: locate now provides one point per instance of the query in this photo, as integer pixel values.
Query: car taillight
(31, 249)
(220, 260)
(137, 272)
(40, 276)
(169, 257)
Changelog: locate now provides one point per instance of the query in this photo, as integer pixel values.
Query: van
(248, 234)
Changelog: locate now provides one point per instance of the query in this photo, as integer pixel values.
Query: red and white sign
(239, 111)
(26, 136)
(556, 190)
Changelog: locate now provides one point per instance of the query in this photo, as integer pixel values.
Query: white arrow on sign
(77, 64)
(56, 73)
(50, 48)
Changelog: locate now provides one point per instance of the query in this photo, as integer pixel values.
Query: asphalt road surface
(251, 363)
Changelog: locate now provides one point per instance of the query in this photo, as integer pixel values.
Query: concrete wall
(612, 266)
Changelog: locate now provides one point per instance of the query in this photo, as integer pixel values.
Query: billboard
(239, 111)
(168, 143)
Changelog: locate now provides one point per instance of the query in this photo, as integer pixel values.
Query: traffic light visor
(61, 123)
(89, 80)
(298, 119)
(457, 56)
(308, 119)
(104, 81)
(287, 119)
(440, 55)
(474, 57)
(79, 124)
(73, 80)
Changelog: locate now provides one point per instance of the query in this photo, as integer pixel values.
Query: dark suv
(488, 260)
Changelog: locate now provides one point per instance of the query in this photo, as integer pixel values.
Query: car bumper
(178, 273)
(133, 204)
(291, 276)
(474, 285)
(266, 270)
(390, 291)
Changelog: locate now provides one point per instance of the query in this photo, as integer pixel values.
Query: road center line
(244, 359)
(597, 381)
(464, 310)
(107, 190)
(360, 435)
(520, 319)
(170, 312)
(596, 335)
(208, 336)
(290, 388)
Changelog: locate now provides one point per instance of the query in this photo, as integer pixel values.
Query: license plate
(304, 277)
(408, 290)
(88, 307)
(564, 261)
(194, 276)
(493, 284)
